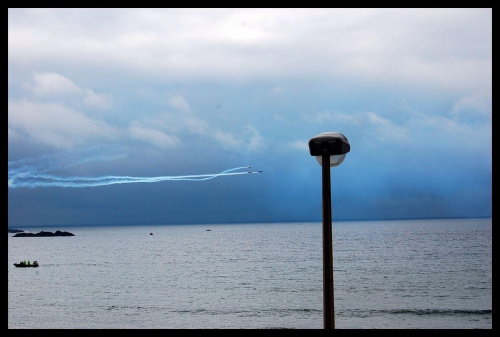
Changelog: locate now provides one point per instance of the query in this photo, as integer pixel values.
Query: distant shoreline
(43, 234)
(248, 222)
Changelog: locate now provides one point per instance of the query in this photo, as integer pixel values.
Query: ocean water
(398, 274)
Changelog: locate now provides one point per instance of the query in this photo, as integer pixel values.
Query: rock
(44, 234)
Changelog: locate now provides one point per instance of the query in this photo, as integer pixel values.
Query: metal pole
(328, 308)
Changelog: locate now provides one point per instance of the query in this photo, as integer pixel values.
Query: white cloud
(179, 102)
(227, 140)
(250, 140)
(53, 86)
(372, 124)
(55, 125)
(300, 145)
(256, 142)
(153, 136)
(333, 116)
(48, 84)
(377, 120)
(94, 100)
(387, 130)
(478, 104)
(196, 126)
(450, 48)
(183, 120)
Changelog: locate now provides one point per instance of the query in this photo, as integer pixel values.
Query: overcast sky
(187, 92)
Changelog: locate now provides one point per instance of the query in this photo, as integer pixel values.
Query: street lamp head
(333, 144)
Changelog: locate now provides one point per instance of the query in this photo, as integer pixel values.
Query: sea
(396, 274)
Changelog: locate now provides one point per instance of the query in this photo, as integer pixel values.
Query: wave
(372, 312)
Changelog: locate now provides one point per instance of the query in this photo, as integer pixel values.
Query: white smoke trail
(32, 173)
(33, 180)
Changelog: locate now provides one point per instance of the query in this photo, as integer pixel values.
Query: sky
(153, 116)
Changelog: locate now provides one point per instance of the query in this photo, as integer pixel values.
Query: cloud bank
(188, 91)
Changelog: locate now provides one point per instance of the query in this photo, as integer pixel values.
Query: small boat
(151, 233)
(24, 265)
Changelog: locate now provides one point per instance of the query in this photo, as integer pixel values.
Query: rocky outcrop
(42, 233)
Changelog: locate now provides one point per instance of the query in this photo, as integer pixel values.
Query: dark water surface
(387, 274)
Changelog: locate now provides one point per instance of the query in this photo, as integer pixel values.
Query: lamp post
(330, 149)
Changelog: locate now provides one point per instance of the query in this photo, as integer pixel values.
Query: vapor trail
(34, 172)
(33, 180)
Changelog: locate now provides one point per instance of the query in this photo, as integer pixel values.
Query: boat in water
(25, 265)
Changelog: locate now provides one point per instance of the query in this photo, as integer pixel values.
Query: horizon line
(245, 222)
